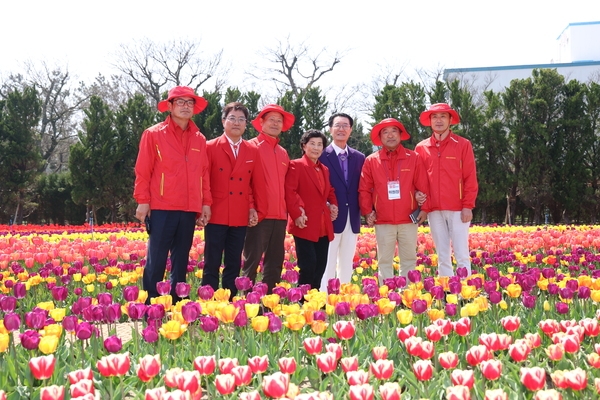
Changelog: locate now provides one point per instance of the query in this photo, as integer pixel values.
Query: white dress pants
(446, 229)
(340, 256)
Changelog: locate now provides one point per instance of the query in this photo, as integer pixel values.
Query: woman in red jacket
(312, 205)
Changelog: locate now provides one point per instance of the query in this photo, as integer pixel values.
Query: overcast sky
(372, 34)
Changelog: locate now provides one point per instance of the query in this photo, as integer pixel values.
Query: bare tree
(152, 68)
(62, 100)
(297, 67)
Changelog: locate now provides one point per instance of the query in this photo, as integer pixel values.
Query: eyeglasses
(233, 120)
(341, 126)
(181, 102)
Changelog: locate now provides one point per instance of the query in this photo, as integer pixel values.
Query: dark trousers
(219, 239)
(172, 231)
(312, 260)
(266, 237)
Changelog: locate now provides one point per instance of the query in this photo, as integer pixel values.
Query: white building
(578, 57)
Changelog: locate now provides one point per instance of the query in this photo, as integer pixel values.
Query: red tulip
(549, 326)
(597, 385)
(558, 379)
(170, 376)
(344, 330)
(189, 381)
(357, 377)
(555, 352)
(570, 343)
(413, 345)
(382, 369)
(253, 395)
(445, 325)
(42, 367)
(349, 364)
(462, 327)
(149, 367)
(448, 359)
(594, 360)
(225, 383)
(227, 364)
(276, 385)
(534, 339)
(2, 395)
(491, 369)
(427, 350)
(458, 393)
(433, 333)
(463, 377)
(533, 378)
(258, 364)
(205, 365)
(76, 376)
(177, 395)
(406, 332)
(334, 348)
(361, 392)
(114, 365)
(380, 352)
(327, 362)
(549, 394)
(494, 341)
(477, 354)
(390, 391)
(155, 394)
(576, 379)
(519, 351)
(495, 394)
(566, 323)
(590, 326)
(52, 393)
(313, 345)
(511, 323)
(423, 370)
(81, 388)
(242, 375)
(577, 331)
(287, 365)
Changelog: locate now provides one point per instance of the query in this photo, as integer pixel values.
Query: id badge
(393, 190)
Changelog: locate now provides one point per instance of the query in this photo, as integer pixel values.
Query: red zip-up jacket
(269, 178)
(169, 176)
(373, 186)
(451, 171)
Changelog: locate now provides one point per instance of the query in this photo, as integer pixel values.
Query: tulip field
(524, 325)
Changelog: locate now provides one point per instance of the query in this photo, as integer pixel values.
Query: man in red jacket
(268, 236)
(232, 162)
(386, 194)
(172, 187)
(453, 187)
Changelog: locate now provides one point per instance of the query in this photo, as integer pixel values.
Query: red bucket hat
(384, 124)
(183, 91)
(425, 117)
(288, 118)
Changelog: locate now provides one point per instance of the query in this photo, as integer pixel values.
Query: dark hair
(312, 133)
(234, 106)
(343, 115)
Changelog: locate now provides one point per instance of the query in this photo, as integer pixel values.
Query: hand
(371, 218)
(141, 211)
(333, 210)
(252, 217)
(301, 220)
(421, 217)
(420, 197)
(466, 215)
(204, 217)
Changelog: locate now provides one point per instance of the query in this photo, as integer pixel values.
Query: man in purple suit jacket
(344, 166)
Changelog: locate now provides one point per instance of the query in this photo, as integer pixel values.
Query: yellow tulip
(329, 309)
(88, 278)
(166, 301)
(142, 296)
(90, 288)
(513, 290)
(199, 273)
(469, 310)
(2, 327)
(384, 290)
(595, 295)
(222, 294)
(408, 296)
(57, 314)
(210, 308)
(271, 301)
(77, 276)
(385, 306)
(482, 302)
(295, 322)
(469, 292)
(48, 344)
(543, 284)
(251, 309)
(546, 305)
(46, 305)
(102, 278)
(172, 330)
(53, 330)
(227, 313)
(288, 309)
(260, 323)
(4, 340)
(114, 282)
(404, 316)
(452, 299)
(318, 326)
(124, 280)
(503, 305)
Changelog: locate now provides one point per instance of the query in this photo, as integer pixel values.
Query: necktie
(344, 164)
(235, 150)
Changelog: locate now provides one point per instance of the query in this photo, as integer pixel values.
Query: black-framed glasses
(182, 102)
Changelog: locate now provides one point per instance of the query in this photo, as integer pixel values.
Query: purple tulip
(528, 300)
(562, 308)
(206, 292)
(342, 308)
(182, 289)
(584, 292)
(78, 291)
(371, 290)
(150, 334)
(294, 295)
(490, 286)
(12, 321)
(333, 286)
(69, 323)
(83, 331)
(401, 281)
(363, 311)
(156, 311)
(274, 322)
(414, 276)
(450, 309)
(163, 287)
(572, 284)
(113, 344)
(241, 319)
(209, 323)
(503, 281)
(281, 291)
(475, 282)
(104, 298)
(455, 287)
(131, 293)
(495, 296)
(566, 293)
(8, 303)
(243, 283)
(395, 297)
(305, 287)
(369, 281)
(291, 276)
(428, 283)
(30, 339)
(419, 306)
(136, 311)
(19, 290)
(553, 288)
(35, 319)
(437, 292)
(191, 311)
(390, 283)
(261, 288)
(492, 273)
(253, 297)
(320, 315)
(112, 313)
